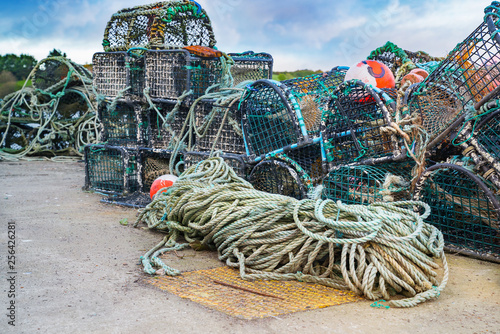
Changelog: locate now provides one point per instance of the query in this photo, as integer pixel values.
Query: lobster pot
(227, 136)
(355, 126)
(158, 25)
(73, 105)
(122, 124)
(394, 57)
(16, 138)
(487, 135)
(363, 184)
(235, 161)
(118, 74)
(463, 208)
(269, 121)
(153, 163)
(165, 125)
(170, 73)
(54, 73)
(110, 169)
(464, 79)
(250, 66)
(309, 158)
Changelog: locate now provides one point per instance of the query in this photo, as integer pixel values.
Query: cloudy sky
(300, 34)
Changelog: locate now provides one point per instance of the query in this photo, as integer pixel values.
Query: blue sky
(300, 34)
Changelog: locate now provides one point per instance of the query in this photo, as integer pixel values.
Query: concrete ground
(76, 270)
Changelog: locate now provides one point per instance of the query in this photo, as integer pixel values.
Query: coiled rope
(380, 250)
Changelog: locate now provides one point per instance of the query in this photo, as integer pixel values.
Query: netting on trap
(235, 161)
(464, 80)
(269, 120)
(118, 74)
(396, 58)
(487, 134)
(310, 159)
(164, 24)
(110, 169)
(250, 66)
(54, 73)
(355, 126)
(311, 92)
(277, 176)
(122, 124)
(463, 208)
(73, 105)
(165, 125)
(215, 135)
(16, 138)
(363, 184)
(154, 163)
(170, 73)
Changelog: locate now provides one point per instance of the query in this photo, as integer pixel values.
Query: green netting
(462, 207)
(463, 79)
(487, 134)
(111, 170)
(122, 124)
(251, 66)
(159, 25)
(166, 125)
(364, 184)
(355, 126)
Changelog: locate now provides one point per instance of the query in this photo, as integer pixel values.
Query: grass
(280, 76)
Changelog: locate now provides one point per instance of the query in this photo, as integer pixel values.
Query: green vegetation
(280, 76)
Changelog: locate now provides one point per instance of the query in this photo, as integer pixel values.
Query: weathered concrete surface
(77, 272)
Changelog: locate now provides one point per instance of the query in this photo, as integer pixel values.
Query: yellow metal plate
(223, 289)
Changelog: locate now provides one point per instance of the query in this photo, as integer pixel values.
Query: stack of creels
(54, 117)
(161, 25)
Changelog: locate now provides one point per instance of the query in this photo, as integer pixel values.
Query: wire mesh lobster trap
(219, 128)
(464, 80)
(292, 173)
(123, 124)
(363, 184)
(154, 163)
(54, 73)
(463, 208)
(73, 105)
(110, 169)
(171, 73)
(235, 161)
(167, 125)
(356, 126)
(16, 137)
(159, 25)
(118, 74)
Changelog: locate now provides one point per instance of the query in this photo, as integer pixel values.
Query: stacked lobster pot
(281, 130)
(458, 105)
(167, 98)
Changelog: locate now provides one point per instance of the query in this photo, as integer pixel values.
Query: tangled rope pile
(377, 251)
(55, 118)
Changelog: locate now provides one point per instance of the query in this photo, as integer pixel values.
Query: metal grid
(118, 74)
(309, 158)
(364, 184)
(463, 208)
(353, 126)
(235, 161)
(164, 134)
(53, 72)
(111, 170)
(122, 124)
(209, 120)
(466, 76)
(269, 123)
(170, 73)
(311, 92)
(487, 134)
(278, 177)
(153, 163)
(72, 106)
(251, 66)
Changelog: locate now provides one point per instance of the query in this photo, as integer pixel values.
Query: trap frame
(463, 208)
(110, 170)
(118, 74)
(153, 163)
(159, 25)
(235, 161)
(364, 184)
(171, 73)
(356, 127)
(123, 123)
(463, 81)
(166, 125)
